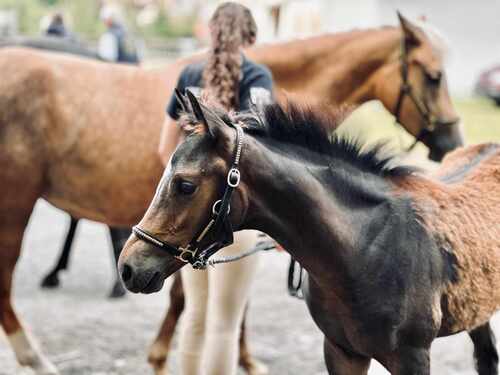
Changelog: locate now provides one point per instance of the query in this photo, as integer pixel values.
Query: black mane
(313, 129)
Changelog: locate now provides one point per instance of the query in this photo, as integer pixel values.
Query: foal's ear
(215, 126)
(195, 108)
(412, 33)
(181, 99)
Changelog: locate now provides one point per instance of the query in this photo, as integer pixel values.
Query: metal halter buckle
(233, 173)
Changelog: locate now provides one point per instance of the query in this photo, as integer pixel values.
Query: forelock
(436, 38)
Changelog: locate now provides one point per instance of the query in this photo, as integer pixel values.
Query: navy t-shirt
(256, 85)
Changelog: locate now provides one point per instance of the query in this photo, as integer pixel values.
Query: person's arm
(170, 136)
(108, 47)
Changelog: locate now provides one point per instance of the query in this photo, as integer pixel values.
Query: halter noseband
(422, 107)
(219, 227)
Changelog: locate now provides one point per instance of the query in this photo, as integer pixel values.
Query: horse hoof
(118, 291)
(50, 281)
(159, 367)
(256, 367)
(157, 358)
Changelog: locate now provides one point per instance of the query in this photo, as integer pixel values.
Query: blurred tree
(50, 2)
(83, 17)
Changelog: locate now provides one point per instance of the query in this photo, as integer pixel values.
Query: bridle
(218, 233)
(423, 109)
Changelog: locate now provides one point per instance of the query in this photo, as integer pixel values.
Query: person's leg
(229, 289)
(192, 330)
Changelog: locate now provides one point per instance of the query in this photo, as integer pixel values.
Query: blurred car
(488, 84)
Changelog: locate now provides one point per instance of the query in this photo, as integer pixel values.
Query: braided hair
(232, 26)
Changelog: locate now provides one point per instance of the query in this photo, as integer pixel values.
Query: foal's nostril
(127, 273)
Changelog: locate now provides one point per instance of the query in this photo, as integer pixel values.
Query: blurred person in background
(216, 298)
(116, 44)
(57, 26)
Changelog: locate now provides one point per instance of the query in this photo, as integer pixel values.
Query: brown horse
(395, 258)
(83, 135)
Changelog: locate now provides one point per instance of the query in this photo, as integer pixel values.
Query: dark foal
(118, 238)
(394, 258)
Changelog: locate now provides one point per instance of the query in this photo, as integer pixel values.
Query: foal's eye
(186, 187)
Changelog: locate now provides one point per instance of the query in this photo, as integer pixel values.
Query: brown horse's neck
(315, 66)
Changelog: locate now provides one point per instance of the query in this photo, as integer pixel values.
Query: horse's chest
(340, 324)
(376, 329)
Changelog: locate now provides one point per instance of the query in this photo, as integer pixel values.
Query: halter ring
(214, 207)
(184, 252)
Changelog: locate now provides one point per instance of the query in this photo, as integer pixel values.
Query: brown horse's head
(183, 205)
(419, 97)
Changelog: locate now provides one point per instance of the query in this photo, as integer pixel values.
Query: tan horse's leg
(12, 227)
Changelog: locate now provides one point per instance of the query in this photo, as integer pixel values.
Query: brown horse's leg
(159, 350)
(485, 351)
(339, 362)
(12, 227)
(251, 365)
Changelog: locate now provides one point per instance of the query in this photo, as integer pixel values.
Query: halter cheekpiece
(421, 106)
(219, 227)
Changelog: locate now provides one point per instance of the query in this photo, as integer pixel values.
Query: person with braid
(216, 298)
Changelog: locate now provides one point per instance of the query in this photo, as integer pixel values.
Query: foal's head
(194, 180)
(419, 98)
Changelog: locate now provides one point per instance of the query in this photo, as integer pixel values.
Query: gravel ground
(84, 333)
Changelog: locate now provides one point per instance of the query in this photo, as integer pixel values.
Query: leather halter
(421, 106)
(219, 229)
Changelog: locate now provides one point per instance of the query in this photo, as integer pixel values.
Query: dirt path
(86, 334)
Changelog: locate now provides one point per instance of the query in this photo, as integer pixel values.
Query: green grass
(481, 118)
(371, 123)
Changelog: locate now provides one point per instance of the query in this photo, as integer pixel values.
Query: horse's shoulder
(459, 163)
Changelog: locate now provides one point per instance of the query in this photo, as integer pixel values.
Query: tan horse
(83, 135)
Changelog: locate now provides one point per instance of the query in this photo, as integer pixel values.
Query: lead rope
(261, 246)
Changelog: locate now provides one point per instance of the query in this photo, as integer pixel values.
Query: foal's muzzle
(143, 268)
